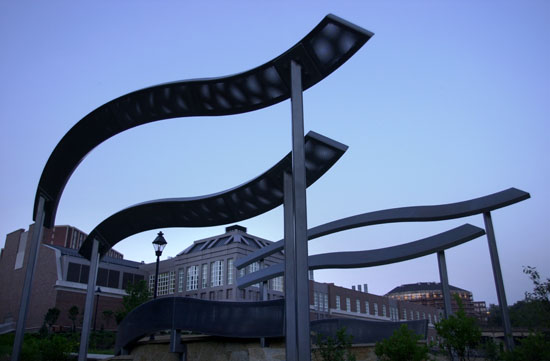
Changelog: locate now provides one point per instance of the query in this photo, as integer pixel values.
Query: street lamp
(98, 291)
(158, 244)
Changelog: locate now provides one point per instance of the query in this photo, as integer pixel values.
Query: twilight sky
(448, 101)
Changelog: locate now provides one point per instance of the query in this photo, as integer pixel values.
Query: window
(367, 307)
(151, 284)
(253, 267)
(277, 284)
(429, 318)
(131, 278)
(405, 314)
(204, 276)
(357, 306)
(423, 315)
(384, 310)
(412, 315)
(316, 300)
(348, 304)
(167, 283)
(181, 275)
(230, 270)
(417, 315)
(376, 309)
(217, 273)
(325, 296)
(192, 278)
(78, 272)
(337, 302)
(435, 318)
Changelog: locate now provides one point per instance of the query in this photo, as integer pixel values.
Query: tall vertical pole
(263, 285)
(36, 240)
(156, 276)
(263, 297)
(444, 278)
(499, 282)
(290, 272)
(89, 304)
(300, 213)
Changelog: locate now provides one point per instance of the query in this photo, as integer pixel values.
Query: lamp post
(98, 291)
(158, 244)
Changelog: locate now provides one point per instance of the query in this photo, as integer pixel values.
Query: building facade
(204, 270)
(430, 294)
(60, 279)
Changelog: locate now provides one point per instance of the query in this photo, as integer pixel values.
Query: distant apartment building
(430, 294)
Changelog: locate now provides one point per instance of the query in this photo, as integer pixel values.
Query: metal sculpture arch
(405, 214)
(331, 43)
(247, 200)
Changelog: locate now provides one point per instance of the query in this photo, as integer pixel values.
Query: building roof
(106, 259)
(423, 286)
(233, 234)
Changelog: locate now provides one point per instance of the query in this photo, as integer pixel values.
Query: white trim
(358, 315)
(81, 288)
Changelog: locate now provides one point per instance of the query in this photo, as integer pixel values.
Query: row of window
(77, 272)
(393, 311)
(167, 280)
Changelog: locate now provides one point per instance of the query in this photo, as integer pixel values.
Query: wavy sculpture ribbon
(250, 199)
(330, 44)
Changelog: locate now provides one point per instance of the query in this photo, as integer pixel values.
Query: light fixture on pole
(158, 244)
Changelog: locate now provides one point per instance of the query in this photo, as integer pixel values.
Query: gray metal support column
(36, 240)
(263, 285)
(499, 282)
(263, 297)
(300, 213)
(290, 272)
(444, 278)
(89, 304)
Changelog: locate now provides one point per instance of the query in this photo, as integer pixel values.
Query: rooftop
(422, 286)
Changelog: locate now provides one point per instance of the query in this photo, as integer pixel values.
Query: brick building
(60, 278)
(429, 294)
(204, 270)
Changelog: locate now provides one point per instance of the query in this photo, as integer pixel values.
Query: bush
(535, 347)
(334, 349)
(460, 333)
(401, 346)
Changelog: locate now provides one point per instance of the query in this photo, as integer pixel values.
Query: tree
(460, 333)
(108, 315)
(401, 346)
(334, 349)
(51, 317)
(541, 292)
(73, 314)
(136, 294)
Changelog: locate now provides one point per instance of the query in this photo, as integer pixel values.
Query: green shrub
(334, 349)
(535, 347)
(402, 346)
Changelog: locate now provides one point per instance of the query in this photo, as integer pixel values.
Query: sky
(448, 101)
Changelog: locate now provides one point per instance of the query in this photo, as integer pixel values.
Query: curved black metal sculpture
(248, 200)
(239, 320)
(216, 318)
(406, 214)
(331, 43)
(374, 257)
